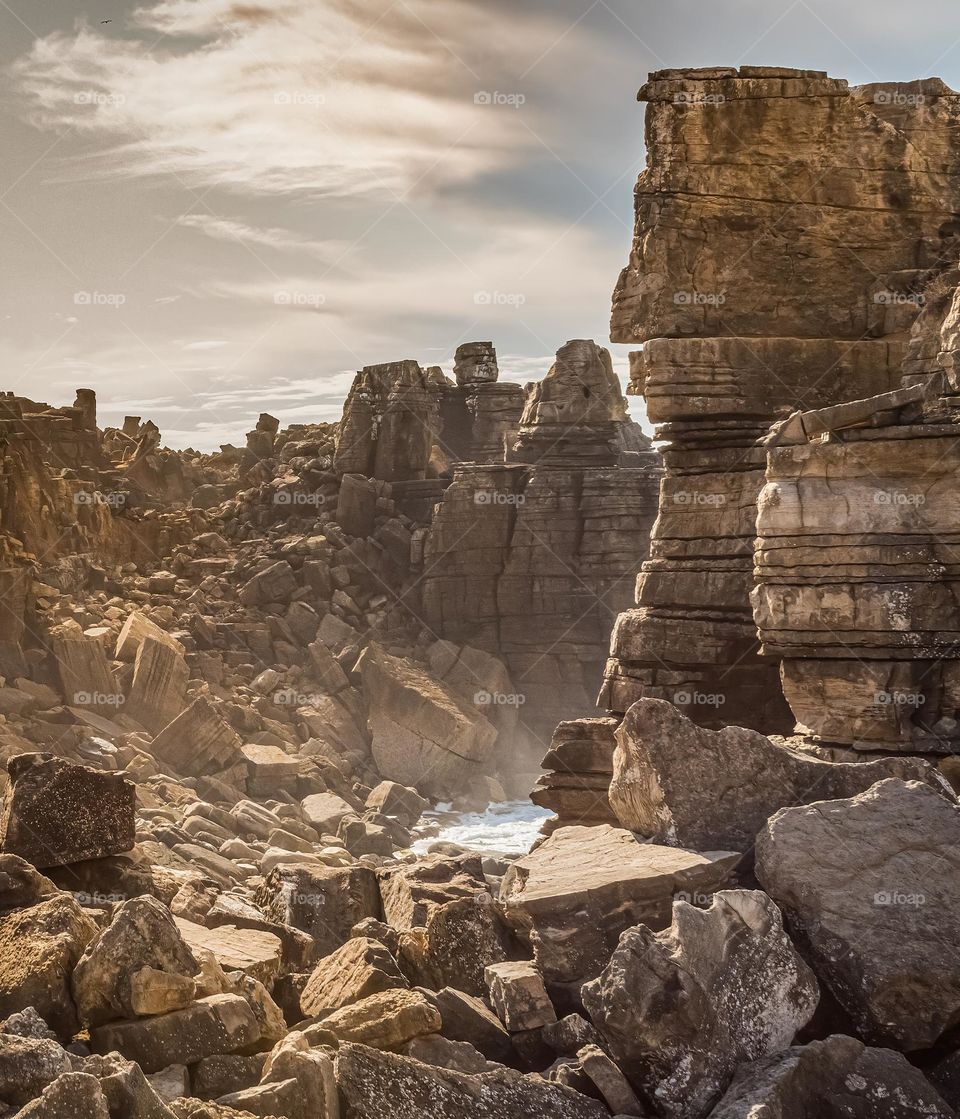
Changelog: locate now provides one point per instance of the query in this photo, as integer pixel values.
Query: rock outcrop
(533, 559)
(750, 301)
(870, 888)
(684, 1008)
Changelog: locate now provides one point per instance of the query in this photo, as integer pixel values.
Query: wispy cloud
(283, 240)
(339, 97)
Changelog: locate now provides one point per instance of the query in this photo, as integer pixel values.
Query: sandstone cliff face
(533, 559)
(856, 568)
(785, 224)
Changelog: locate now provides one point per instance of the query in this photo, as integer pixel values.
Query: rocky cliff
(785, 225)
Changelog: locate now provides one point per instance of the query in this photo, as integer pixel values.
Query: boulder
(581, 888)
(456, 930)
(198, 741)
(142, 934)
(56, 813)
(376, 1084)
(682, 1008)
(837, 1078)
(678, 783)
(385, 1020)
(469, 1019)
(324, 811)
(519, 997)
(28, 1065)
(870, 887)
(275, 583)
(158, 691)
(425, 734)
(39, 949)
(390, 799)
(255, 952)
(221, 1023)
(360, 968)
(324, 902)
(74, 1095)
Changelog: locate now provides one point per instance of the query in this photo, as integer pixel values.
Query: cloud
(344, 97)
(227, 229)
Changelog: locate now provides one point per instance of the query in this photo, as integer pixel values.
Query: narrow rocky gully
(477, 755)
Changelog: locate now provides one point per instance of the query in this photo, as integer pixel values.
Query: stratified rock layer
(783, 222)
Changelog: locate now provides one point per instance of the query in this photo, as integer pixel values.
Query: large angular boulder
(198, 741)
(579, 890)
(455, 929)
(678, 783)
(221, 1023)
(56, 813)
(425, 734)
(143, 934)
(682, 1008)
(377, 1084)
(158, 690)
(324, 902)
(39, 949)
(74, 1095)
(870, 887)
(837, 1078)
(360, 968)
(519, 997)
(385, 1020)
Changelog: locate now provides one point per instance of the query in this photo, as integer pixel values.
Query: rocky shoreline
(238, 690)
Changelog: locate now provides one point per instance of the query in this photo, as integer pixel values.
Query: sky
(213, 208)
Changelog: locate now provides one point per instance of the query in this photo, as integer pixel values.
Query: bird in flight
(106, 21)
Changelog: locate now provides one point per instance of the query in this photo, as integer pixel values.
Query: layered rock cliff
(785, 225)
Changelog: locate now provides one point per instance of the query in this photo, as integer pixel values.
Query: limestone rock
(378, 1084)
(39, 949)
(424, 734)
(582, 887)
(385, 1020)
(256, 952)
(56, 813)
(142, 934)
(198, 741)
(579, 768)
(74, 1095)
(837, 1078)
(678, 783)
(683, 1008)
(216, 1024)
(457, 931)
(158, 691)
(869, 887)
(360, 968)
(519, 997)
